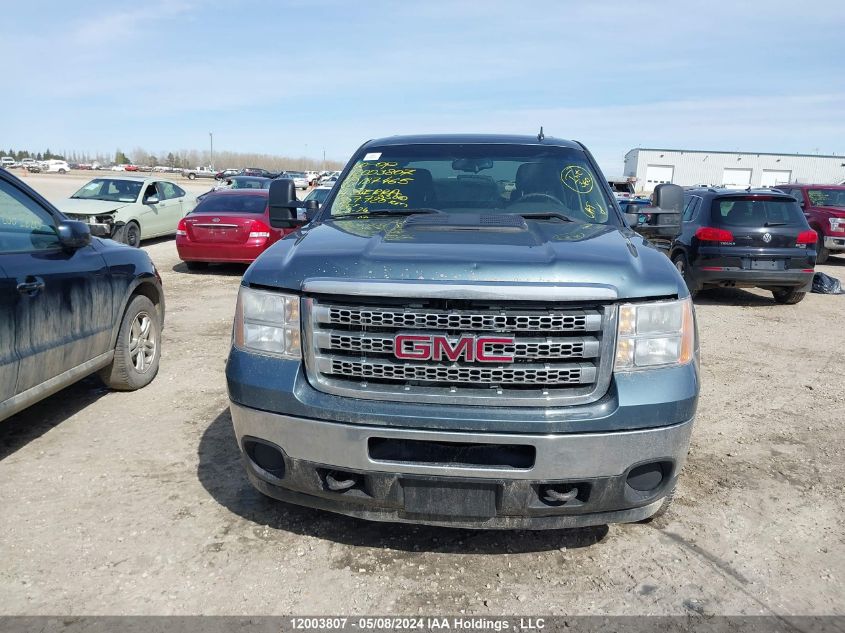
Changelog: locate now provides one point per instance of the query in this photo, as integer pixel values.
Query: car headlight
(267, 323)
(655, 334)
(837, 224)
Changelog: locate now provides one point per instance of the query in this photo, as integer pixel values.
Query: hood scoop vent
(499, 223)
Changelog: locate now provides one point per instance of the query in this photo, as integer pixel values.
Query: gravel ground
(136, 503)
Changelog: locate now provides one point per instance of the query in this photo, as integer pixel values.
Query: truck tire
(682, 264)
(788, 296)
(192, 176)
(138, 348)
(821, 252)
(129, 234)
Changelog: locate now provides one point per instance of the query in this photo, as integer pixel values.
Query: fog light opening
(648, 477)
(267, 457)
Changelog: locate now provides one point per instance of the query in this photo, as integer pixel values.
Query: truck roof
(508, 139)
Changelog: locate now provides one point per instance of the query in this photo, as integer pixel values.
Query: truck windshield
(474, 178)
(827, 197)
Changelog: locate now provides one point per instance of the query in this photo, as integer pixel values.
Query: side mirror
(311, 208)
(151, 200)
(633, 219)
(669, 198)
(73, 234)
(283, 204)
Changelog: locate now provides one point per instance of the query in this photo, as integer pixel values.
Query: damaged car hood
(80, 206)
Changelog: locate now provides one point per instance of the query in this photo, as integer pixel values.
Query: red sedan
(231, 225)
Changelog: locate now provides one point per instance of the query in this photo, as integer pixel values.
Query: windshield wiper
(547, 215)
(384, 212)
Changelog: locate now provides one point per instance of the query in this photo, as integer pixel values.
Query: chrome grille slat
(505, 320)
(562, 354)
(525, 348)
(551, 375)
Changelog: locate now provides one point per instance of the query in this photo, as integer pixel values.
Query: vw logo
(767, 237)
(218, 219)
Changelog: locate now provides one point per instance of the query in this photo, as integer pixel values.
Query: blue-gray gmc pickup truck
(466, 333)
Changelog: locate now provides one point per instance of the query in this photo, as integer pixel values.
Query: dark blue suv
(744, 239)
(70, 304)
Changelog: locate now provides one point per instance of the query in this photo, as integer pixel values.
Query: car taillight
(259, 230)
(711, 234)
(807, 237)
(181, 228)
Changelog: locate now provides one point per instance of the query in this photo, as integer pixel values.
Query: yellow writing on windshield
(577, 178)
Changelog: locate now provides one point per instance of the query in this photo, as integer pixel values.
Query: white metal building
(686, 167)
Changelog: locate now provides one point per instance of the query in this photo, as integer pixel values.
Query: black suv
(70, 304)
(745, 238)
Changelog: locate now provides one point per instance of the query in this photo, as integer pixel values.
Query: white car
(55, 166)
(131, 209)
(300, 180)
(7, 161)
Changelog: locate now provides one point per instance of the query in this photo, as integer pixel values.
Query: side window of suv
(24, 225)
(690, 209)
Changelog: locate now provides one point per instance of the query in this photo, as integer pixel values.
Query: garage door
(740, 178)
(656, 174)
(775, 177)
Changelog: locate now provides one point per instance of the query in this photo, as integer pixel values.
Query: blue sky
(297, 77)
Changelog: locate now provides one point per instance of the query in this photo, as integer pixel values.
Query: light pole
(211, 153)
(324, 158)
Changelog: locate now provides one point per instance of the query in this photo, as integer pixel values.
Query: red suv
(824, 206)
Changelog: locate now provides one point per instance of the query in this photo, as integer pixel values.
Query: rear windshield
(232, 204)
(757, 211)
(475, 178)
(827, 197)
(319, 195)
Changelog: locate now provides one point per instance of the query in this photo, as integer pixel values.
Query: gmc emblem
(438, 347)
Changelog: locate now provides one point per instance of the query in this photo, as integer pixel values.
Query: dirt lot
(136, 503)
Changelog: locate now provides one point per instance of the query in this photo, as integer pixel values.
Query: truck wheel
(138, 348)
(192, 176)
(788, 296)
(682, 264)
(196, 265)
(129, 234)
(821, 252)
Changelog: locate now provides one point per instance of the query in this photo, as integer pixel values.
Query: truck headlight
(267, 323)
(837, 224)
(655, 334)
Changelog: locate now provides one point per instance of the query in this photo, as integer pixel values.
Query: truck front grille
(561, 354)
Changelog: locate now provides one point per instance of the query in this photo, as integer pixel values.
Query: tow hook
(552, 495)
(338, 485)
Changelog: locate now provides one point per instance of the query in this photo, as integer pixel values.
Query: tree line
(184, 158)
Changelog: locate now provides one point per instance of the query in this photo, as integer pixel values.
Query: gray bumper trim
(558, 456)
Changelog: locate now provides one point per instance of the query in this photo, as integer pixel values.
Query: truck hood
(385, 249)
(78, 206)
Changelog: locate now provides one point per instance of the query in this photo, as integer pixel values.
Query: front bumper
(458, 494)
(834, 243)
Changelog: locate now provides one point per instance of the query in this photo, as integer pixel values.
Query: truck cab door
(9, 361)
(62, 297)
